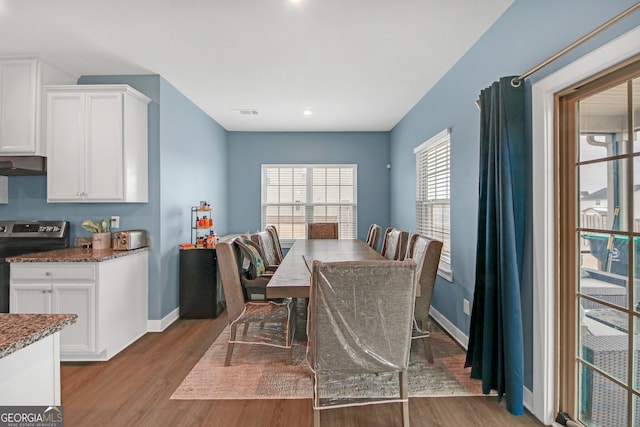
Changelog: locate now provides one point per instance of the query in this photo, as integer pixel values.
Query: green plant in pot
(101, 237)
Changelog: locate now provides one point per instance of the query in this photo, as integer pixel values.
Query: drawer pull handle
(48, 274)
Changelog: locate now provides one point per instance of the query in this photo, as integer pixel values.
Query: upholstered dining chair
(373, 237)
(394, 244)
(266, 323)
(322, 230)
(264, 239)
(359, 329)
(426, 254)
(276, 242)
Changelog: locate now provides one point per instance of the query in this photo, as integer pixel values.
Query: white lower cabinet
(78, 298)
(109, 297)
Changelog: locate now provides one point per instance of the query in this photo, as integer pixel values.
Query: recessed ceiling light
(296, 1)
(307, 112)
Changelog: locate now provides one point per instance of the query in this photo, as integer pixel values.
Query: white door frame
(542, 94)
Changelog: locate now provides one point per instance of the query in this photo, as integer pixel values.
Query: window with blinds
(433, 176)
(293, 195)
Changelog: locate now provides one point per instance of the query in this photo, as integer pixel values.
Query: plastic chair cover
(359, 323)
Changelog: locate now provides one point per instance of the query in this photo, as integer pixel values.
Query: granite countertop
(74, 255)
(19, 330)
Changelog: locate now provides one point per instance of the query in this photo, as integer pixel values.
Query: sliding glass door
(598, 244)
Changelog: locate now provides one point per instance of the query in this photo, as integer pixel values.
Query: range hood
(23, 165)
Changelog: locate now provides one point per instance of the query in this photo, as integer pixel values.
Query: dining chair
(359, 331)
(322, 230)
(266, 323)
(276, 242)
(425, 253)
(264, 239)
(373, 237)
(255, 272)
(394, 244)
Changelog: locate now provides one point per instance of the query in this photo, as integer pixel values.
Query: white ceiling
(360, 65)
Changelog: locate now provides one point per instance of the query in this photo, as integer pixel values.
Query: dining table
(293, 276)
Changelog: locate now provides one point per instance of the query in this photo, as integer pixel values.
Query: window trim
(287, 242)
(445, 269)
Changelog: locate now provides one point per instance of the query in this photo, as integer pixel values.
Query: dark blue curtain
(495, 352)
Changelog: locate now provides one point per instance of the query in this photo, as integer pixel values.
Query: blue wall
(525, 35)
(249, 150)
(186, 164)
(193, 163)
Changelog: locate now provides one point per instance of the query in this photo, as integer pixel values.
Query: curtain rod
(518, 80)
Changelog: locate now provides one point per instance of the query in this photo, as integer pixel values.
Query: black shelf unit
(198, 230)
(201, 295)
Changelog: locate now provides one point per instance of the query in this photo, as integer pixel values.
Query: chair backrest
(394, 244)
(229, 270)
(276, 242)
(254, 260)
(359, 318)
(322, 230)
(373, 237)
(265, 241)
(426, 254)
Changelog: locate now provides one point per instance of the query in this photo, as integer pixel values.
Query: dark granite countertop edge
(22, 342)
(74, 255)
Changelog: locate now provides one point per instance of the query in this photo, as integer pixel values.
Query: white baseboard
(463, 340)
(456, 333)
(162, 324)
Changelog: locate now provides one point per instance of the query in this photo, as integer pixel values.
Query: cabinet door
(18, 106)
(65, 146)
(76, 298)
(103, 155)
(30, 298)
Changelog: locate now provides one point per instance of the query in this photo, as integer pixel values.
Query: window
(293, 195)
(433, 177)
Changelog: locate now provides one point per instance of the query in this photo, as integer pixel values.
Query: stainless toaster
(129, 239)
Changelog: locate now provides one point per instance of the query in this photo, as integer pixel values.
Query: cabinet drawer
(52, 272)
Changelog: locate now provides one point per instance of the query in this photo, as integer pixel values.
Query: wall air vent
(246, 111)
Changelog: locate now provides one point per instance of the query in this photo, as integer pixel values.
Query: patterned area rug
(260, 372)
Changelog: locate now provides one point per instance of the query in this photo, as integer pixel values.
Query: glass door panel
(599, 221)
(602, 190)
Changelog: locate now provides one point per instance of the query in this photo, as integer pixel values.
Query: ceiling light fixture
(296, 1)
(307, 112)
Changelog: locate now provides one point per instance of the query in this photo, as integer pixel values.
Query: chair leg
(426, 342)
(246, 327)
(316, 418)
(289, 355)
(232, 337)
(404, 394)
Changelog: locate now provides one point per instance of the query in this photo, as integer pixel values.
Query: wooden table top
(292, 278)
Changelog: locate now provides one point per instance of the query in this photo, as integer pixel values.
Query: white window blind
(433, 177)
(293, 195)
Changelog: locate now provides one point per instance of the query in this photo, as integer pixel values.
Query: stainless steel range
(23, 237)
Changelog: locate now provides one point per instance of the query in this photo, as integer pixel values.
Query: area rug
(260, 372)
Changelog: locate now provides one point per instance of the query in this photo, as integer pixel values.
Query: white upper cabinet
(21, 82)
(96, 138)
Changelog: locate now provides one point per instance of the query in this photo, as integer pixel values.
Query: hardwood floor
(133, 389)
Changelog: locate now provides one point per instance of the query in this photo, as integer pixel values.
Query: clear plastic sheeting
(267, 323)
(359, 326)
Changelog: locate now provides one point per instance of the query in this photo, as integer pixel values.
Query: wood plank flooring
(133, 389)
